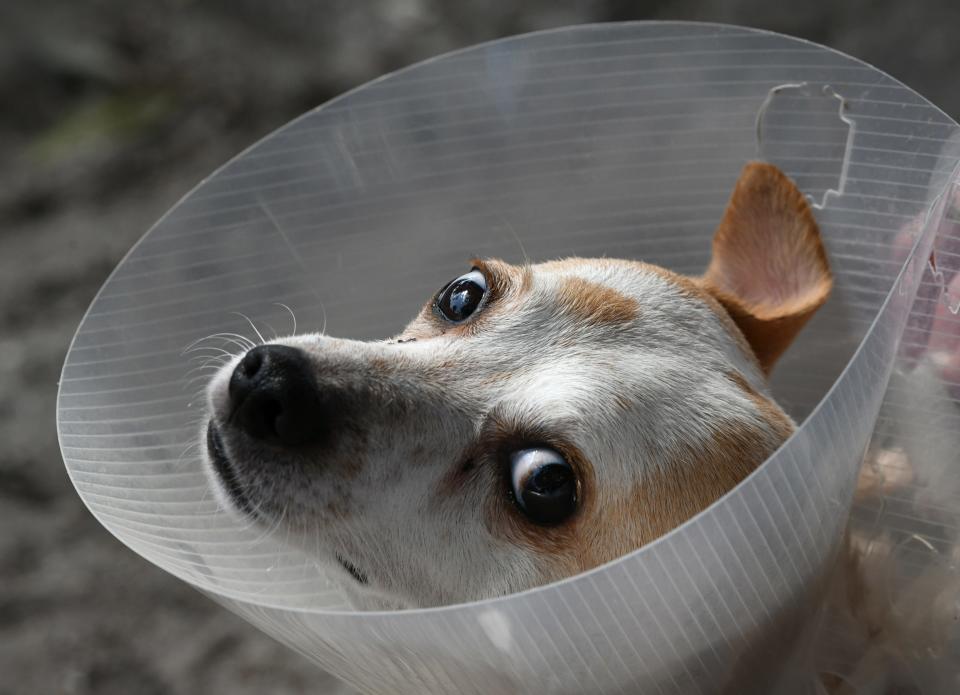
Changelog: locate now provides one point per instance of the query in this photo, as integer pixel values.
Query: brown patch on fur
(781, 424)
(694, 480)
(595, 303)
(769, 269)
(690, 287)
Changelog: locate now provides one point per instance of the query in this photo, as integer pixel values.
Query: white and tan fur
(651, 384)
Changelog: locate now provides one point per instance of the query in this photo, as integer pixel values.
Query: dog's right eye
(461, 298)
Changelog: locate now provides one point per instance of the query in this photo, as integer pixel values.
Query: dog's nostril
(247, 375)
(274, 397)
(251, 363)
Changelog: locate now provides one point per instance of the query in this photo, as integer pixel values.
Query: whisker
(242, 345)
(215, 362)
(193, 383)
(252, 325)
(203, 371)
(186, 450)
(292, 315)
(244, 340)
(272, 529)
(516, 237)
(224, 341)
(225, 355)
(219, 336)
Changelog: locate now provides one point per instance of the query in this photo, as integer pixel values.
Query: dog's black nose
(274, 396)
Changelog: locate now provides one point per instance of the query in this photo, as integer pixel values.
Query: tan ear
(769, 269)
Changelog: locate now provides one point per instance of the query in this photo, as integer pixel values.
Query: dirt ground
(113, 109)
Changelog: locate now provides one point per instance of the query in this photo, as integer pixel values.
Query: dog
(531, 422)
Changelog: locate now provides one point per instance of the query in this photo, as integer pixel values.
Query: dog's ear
(769, 269)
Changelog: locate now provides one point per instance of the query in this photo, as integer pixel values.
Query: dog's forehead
(584, 308)
(636, 301)
(629, 276)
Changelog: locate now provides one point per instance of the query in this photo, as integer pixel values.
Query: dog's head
(531, 422)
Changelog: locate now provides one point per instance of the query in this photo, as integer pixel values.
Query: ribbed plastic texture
(615, 140)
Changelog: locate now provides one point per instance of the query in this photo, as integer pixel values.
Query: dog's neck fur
(652, 385)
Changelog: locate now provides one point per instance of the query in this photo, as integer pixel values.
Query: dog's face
(531, 422)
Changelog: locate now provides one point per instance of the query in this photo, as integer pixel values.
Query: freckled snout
(274, 397)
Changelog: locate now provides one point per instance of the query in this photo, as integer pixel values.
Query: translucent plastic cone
(615, 140)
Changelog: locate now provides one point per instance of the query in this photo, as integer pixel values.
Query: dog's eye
(460, 298)
(544, 485)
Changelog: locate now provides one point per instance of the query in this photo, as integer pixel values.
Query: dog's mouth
(352, 570)
(226, 471)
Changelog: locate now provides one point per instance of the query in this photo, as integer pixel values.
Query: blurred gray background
(112, 110)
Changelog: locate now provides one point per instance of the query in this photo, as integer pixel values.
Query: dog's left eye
(544, 485)
(460, 298)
